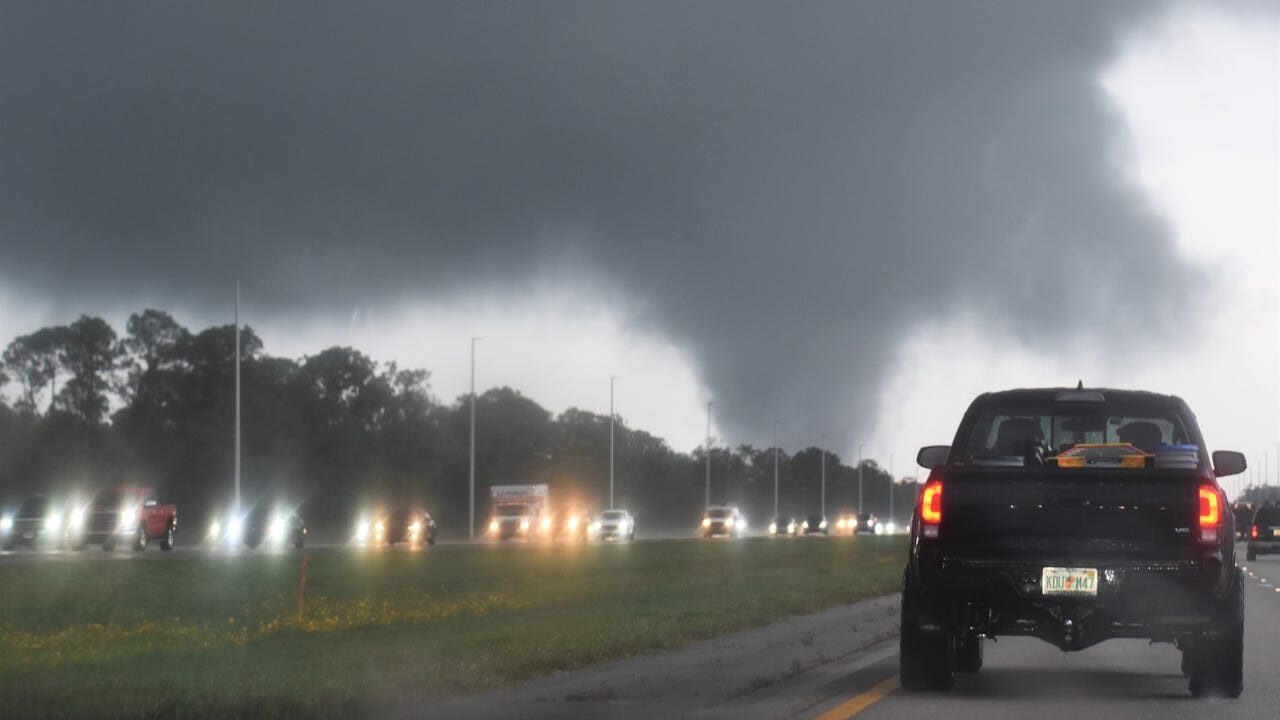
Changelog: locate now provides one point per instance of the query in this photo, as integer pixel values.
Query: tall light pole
(471, 526)
(822, 453)
(891, 485)
(860, 510)
(237, 511)
(775, 468)
(707, 501)
(612, 378)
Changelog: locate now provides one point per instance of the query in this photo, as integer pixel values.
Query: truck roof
(1042, 394)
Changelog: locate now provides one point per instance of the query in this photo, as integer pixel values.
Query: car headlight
(706, 522)
(53, 522)
(415, 528)
(728, 523)
(77, 518)
(6, 523)
(524, 525)
(235, 528)
(573, 523)
(362, 530)
(773, 528)
(276, 531)
(546, 523)
(214, 528)
(127, 518)
(493, 526)
(822, 525)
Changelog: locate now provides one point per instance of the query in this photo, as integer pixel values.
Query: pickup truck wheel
(1217, 664)
(969, 655)
(140, 538)
(166, 542)
(927, 659)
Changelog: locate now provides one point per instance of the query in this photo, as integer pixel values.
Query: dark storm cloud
(784, 188)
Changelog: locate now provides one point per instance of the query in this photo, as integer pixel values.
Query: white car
(614, 525)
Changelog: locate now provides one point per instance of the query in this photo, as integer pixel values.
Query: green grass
(225, 636)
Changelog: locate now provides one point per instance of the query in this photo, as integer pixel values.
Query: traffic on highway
(639, 359)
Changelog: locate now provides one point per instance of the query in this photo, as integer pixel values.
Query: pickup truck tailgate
(1013, 513)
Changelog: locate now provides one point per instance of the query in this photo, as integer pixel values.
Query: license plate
(1069, 581)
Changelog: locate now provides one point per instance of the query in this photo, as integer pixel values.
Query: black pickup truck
(1074, 516)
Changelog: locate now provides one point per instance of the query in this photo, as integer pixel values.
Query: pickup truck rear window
(1267, 516)
(1026, 435)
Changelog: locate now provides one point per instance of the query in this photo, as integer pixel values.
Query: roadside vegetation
(389, 630)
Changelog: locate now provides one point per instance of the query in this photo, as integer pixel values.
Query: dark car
(1074, 516)
(1244, 518)
(268, 525)
(865, 523)
(814, 525)
(33, 524)
(783, 526)
(1264, 533)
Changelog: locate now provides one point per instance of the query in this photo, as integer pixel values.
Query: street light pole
(612, 378)
(891, 485)
(775, 468)
(707, 501)
(860, 510)
(822, 453)
(237, 512)
(471, 527)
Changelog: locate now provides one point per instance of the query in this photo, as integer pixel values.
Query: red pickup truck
(125, 514)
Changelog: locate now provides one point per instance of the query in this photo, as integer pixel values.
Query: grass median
(385, 629)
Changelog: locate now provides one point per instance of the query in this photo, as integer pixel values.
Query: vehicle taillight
(931, 507)
(1253, 532)
(1210, 514)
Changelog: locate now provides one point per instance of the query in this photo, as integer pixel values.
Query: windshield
(613, 515)
(33, 507)
(513, 510)
(719, 513)
(1027, 434)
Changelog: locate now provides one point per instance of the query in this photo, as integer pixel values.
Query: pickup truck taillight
(1253, 532)
(931, 506)
(1210, 514)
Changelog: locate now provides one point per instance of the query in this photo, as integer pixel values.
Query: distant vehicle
(724, 520)
(614, 525)
(520, 511)
(1074, 516)
(1243, 512)
(35, 523)
(865, 523)
(573, 524)
(814, 525)
(846, 523)
(267, 525)
(1264, 533)
(129, 514)
(782, 526)
(401, 526)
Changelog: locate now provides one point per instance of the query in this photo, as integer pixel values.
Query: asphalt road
(1026, 678)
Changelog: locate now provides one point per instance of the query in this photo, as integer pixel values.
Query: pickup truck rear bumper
(1167, 600)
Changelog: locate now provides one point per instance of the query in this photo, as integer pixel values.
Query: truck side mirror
(931, 456)
(1228, 462)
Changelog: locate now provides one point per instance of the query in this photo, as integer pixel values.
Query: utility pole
(612, 378)
(860, 510)
(891, 486)
(707, 502)
(237, 512)
(775, 468)
(822, 453)
(471, 527)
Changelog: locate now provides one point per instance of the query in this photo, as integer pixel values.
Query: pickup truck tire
(1217, 660)
(927, 659)
(140, 538)
(166, 542)
(969, 655)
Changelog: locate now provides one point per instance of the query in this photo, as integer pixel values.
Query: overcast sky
(847, 217)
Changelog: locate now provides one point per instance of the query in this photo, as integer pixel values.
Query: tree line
(338, 431)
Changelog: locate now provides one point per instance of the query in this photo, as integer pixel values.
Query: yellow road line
(861, 701)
